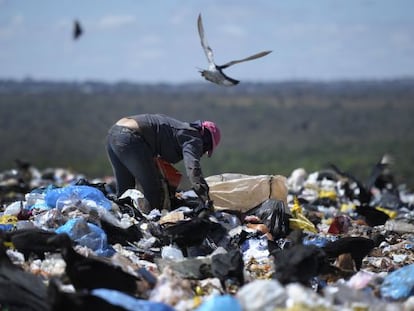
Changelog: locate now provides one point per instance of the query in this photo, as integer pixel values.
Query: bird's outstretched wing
(207, 50)
(258, 55)
(77, 30)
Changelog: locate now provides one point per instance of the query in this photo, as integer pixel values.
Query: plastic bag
(129, 302)
(171, 252)
(8, 220)
(169, 172)
(228, 266)
(36, 200)
(88, 235)
(273, 213)
(256, 248)
(299, 221)
(262, 295)
(243, 192)
(399, 284)
(14, 208)
(138, 199)
(77, 192)
(220, 303)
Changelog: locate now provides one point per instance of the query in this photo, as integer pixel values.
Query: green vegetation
(267, 128)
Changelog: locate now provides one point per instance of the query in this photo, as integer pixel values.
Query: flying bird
(77, 30)
(215, 73)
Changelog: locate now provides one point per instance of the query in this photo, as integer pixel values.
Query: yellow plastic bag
(390, 213)
(8, 220)
(299, 221)
(329, 194)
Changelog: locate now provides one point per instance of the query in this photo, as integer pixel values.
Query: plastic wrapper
(171, 252)
(78, 193)
(299, 221)
(399, 284)
(87, 234)
(129, 302)
(220, 303)
(262, 295)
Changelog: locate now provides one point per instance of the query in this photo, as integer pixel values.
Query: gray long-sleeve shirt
(174, 141)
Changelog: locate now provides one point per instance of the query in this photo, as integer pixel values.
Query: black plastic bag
(273, 214)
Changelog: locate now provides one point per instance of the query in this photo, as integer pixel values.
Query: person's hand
(205, 209)
(209, 205)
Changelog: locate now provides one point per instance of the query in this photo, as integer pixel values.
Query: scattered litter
(312, 241)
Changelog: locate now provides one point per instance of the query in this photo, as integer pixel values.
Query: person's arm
(192, 153)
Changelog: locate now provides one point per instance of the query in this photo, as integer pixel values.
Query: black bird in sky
(93, 272)
(20, 290)
(215, 73)
(77, 30)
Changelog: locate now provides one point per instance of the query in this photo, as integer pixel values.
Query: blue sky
(157, 41)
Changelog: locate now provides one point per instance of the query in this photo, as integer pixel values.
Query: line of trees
(267, 128)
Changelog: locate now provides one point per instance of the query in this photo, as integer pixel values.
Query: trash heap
(317, 241)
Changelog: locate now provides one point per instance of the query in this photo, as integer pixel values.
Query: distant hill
(267, 127)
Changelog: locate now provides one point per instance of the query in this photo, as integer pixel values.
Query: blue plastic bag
(79, 192)
(6, 227)
(399, 284)
(129, 302)
(319, 241)
(87, 234)
(220, 303)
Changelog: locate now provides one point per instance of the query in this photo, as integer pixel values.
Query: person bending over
(135, 142)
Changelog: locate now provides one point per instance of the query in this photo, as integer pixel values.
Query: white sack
(243, 192)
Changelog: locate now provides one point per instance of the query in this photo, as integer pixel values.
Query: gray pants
(133, 164)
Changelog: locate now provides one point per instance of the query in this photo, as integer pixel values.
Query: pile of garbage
(312, 241)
